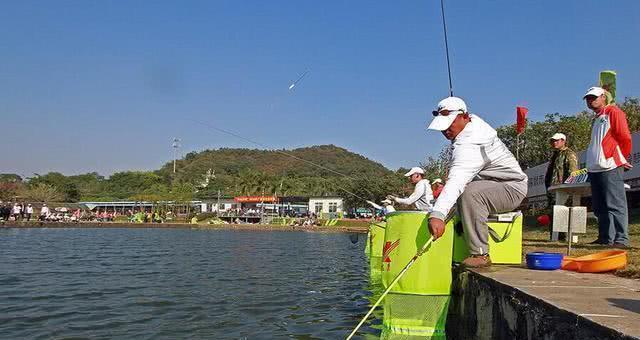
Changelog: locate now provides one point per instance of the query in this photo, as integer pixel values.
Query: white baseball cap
(559, 136)
(594, 91)
(437, 180)
(414, 170)
(454, 106)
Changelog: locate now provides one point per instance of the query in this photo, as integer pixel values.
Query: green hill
(285, 172)
(277, 162)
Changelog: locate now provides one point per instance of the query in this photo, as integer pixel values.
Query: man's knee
(470, 194)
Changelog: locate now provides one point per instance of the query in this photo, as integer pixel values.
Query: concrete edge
(514, 313)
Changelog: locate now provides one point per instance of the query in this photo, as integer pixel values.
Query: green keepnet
(375, 239)
(375, 268)
(415, 316)
(406, 232)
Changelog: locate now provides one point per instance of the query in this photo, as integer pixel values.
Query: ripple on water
(176, 284)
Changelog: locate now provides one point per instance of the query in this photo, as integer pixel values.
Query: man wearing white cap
(422, 195)
(562, 163)
(607, 155)
(436, 187)
(44, 212)
(484, 177)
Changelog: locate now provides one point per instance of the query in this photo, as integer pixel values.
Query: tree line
(225, 172)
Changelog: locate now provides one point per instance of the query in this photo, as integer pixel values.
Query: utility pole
(262, 207)
(175, 145)
(218, 204)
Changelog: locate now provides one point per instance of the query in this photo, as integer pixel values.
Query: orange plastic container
(601, 262)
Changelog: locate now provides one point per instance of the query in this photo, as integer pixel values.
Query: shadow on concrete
(628, 304)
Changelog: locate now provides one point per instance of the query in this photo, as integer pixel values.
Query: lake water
(179, 284)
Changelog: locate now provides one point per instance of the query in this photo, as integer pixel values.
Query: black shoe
(598, 241)
(619, 245)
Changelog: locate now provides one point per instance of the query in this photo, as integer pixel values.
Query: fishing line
(234, 134)
(446, 47)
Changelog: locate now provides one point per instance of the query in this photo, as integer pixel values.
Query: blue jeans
(610, 206)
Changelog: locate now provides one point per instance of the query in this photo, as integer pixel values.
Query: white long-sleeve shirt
(478, 154)
(422, 196)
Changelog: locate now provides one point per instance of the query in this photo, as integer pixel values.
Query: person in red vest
(607, 156)
(436, 187)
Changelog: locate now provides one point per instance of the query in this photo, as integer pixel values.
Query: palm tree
(250, 182)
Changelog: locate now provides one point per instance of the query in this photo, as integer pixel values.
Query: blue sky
(106, 85)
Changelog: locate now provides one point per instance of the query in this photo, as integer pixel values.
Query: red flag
(521, 112)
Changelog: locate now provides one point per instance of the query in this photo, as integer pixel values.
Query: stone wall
(482, 308)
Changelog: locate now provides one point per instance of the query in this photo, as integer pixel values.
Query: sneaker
(477, 261)
(619, 245)
(598, 241)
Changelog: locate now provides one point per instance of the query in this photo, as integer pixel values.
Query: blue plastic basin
(544, 261)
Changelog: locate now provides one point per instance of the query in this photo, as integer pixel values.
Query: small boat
(601, 262)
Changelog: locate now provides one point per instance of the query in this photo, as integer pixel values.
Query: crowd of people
(241, 212)
(20, 211)
(16, 211)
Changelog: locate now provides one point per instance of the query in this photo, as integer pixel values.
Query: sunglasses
(443, 113)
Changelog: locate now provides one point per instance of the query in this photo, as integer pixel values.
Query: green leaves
(534, 142)
(43, 192)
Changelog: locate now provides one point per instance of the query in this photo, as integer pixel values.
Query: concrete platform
(611, 301)
(509, 302)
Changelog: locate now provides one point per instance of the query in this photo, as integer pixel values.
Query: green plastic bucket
(375, 239)
(406, 232)
(505, 240)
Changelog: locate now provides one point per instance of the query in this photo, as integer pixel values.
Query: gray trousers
(610, 206)
(481, 198)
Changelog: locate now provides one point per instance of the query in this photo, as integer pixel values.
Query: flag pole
(518, 147)
(521, 125)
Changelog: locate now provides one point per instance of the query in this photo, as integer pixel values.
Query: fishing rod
(234, 134)
(446, 48)
(404, 270)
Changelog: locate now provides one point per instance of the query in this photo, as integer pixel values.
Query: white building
(329, 205)
(221, 205)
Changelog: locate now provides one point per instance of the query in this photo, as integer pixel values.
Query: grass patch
(353, 223)
(536, 238)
